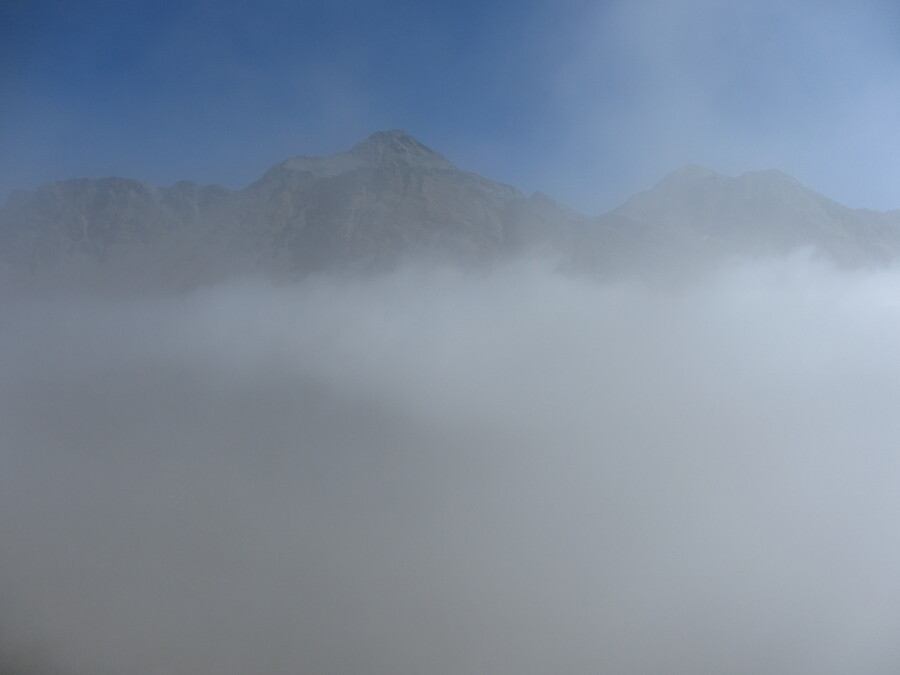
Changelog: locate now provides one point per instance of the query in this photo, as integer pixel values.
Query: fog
(432, 472)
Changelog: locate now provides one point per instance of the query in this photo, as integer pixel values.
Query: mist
(439, 472)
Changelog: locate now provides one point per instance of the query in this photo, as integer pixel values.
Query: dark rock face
(391, 199)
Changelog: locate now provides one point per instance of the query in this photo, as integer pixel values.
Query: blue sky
(587, 101)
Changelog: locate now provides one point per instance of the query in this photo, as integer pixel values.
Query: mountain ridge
(393, 148)
(763, 212)
(390, 198)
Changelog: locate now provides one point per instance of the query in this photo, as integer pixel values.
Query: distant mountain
(386, 200)
(384, 149)
(391, 199)
(94, 217)
(758, 213)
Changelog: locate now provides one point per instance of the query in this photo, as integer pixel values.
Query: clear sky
(586, 101)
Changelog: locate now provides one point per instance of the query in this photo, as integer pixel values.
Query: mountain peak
(383, 149)
(758, 183)
(392, 138)
(690, 174)
(770, 177)
(396, 147)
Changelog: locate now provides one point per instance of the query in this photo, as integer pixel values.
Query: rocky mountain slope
(391, 199)
(387, 200)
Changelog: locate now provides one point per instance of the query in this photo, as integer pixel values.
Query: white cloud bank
(434, 473)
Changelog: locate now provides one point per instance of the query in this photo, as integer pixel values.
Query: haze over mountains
(390, 199)
(528, 461)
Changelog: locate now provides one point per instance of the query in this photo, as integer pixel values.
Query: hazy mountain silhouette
(391, 199)
(758, 213)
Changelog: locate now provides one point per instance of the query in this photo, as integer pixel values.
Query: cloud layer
(517, 472)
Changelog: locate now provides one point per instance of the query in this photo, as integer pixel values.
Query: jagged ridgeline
(390, 200)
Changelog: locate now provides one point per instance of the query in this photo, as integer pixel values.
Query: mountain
(94, 217)
(382, 149)
(757, 213)
(386, 200)
(391, 199)
(383, 201)
(108, 230)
